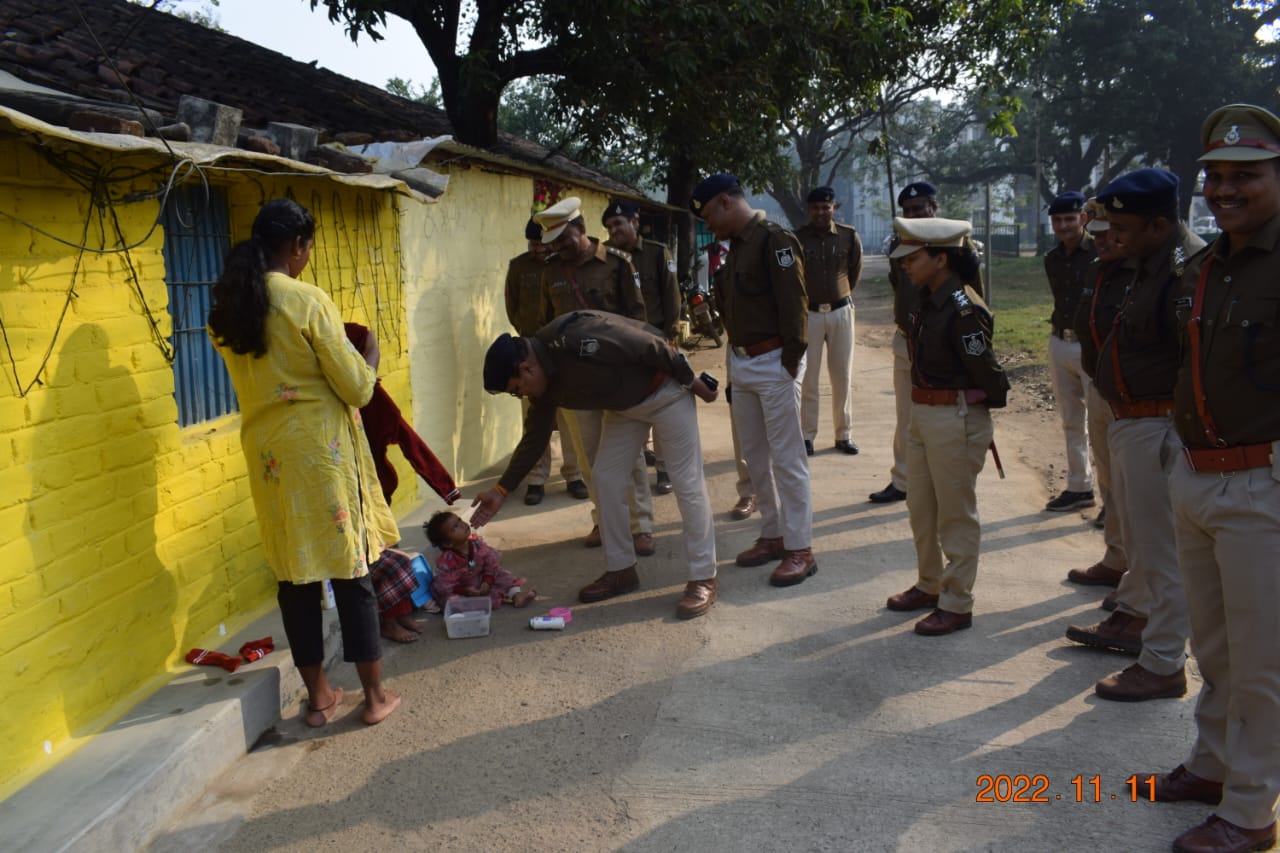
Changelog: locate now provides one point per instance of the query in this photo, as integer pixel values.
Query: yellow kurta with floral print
(319, 505)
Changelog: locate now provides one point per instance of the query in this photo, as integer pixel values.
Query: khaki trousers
(586, 427)
(946, 448)
(743, 483)
(766, 412)
(541, 470)
(1142, 451)
(1069, 393)
(1228, 533)
(835, 328)
(1100, 418)
(672, 415)
(902, 406)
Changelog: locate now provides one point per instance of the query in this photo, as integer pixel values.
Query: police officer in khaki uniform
(1066, 265)
(585, 274)
(1137, 365)
(1099, 302)
(658, 286)
(918, 200)
(832, 269)
(765, 311)
(526, 309)
(956, 381)
(590, 360)
(1226, 488)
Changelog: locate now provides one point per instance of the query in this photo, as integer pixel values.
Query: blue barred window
(197, 238)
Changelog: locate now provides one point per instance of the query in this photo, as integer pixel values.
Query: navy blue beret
(710, 188)
(917, 190)
(1068, 202)
(1143, 191)
(821, 194)
(532, 230)
(619, 207)
(501, 363)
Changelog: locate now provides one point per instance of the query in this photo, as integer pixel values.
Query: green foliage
(1120, 83)
(202, 12)
(429, 95)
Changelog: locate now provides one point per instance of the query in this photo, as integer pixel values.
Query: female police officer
(955, 380)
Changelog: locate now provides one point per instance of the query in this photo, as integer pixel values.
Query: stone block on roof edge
(216, 124)
(295, 140)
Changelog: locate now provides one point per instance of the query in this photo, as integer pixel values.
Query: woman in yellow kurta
(300, 384)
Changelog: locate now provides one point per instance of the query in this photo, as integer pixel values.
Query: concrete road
(807, 718)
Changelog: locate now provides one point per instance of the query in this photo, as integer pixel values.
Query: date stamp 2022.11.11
(1005, 788)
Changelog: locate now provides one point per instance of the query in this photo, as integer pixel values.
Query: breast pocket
(750, 283)
(1255, 322)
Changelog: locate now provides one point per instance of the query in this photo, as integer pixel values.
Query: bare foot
(317, 717)
(393, 630)
(377, 710)
(524, 598)
(407, 621)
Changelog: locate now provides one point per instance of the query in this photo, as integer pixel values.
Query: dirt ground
(802, 719)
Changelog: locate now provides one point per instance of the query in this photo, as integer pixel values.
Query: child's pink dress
(455, 572)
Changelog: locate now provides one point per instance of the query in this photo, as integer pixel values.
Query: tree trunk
(472, 107)
(681, 179)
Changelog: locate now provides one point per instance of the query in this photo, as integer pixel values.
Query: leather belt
(946, 396)
(659, 377)
(1225, 459)
(1067, 335)
(1143, 409)
(753, 350)
(826, 307)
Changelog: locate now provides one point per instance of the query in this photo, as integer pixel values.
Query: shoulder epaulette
(618, 253)
(967, 299)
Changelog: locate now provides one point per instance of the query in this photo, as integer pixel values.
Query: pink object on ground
(563, 612)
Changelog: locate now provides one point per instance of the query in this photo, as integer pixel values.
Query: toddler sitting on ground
(469, 566)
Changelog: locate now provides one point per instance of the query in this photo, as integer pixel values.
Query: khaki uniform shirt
(1239, 342)
(762, 289)
(904, 292)
(1100, 299)
(1141, 348)
(1068, 276)
(832, 262)
(658, 285)
(950, 343)
(526, 308)
(604, 281)
(593, 361)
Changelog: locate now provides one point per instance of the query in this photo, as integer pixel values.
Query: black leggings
(357, 613)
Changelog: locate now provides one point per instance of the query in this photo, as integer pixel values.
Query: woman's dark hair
(961, 260)
(238, 317)
(435, 527)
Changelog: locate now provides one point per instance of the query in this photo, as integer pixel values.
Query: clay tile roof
(163, 57)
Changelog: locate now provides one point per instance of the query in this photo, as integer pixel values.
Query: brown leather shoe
(1119, 632)
(644, 544)
(610, 584)
(744, 508)
(764, 551)
(1216, 835)
(593, 539)
(1136, 683)
(1110, 603)
(698, 598)
(1181, 784)
(1095, 575)
(913, 599)
(941, 622)
(794, 568)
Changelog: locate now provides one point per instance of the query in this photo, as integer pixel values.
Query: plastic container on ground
(467, 617)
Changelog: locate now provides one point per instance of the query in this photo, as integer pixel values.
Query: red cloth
(385, 426)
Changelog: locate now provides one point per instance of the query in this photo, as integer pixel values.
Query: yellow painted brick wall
(124, 539)
(454, 276)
